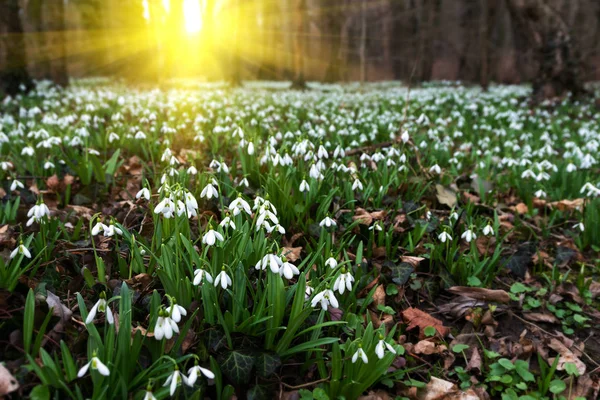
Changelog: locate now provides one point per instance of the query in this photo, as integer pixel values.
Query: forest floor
(350, 241)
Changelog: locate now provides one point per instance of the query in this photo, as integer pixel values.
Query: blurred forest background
(324, 40)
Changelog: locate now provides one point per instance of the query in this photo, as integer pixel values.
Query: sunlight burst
(192, 15)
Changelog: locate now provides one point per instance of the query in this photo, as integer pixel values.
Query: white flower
(579, 226)
(211, 237)
(288, 270)
(343, 282)
(360, 353)
(238, 205)
(37, 213)
(435, 169)
(149, 395)
(539, 194)
(308, 291)
(102, 306)
(444, 236)
(357, 185)
(192, 170)
(27, 151)
(196, 371)
(325, 298)
(209, 192)
(99, 227)
(250, 148)
(381, 346)
(144, 192)
(404, 137)
(175, 380)
(376, 226)
(468, 235)
(331, 262)
(199, 274)
(175, 311)
(166, 207)
(140, 135)
(275, 227)
(227, 221)
(112, 137)
(48, 165)
(244, 182)
(165, 326)
(454, 216)
(488, 230)
(223, 279)
(328, 222)
(96, 365)
(21, 249)
(111, 230)
(191, 205)
(304, 186)
(16, 184)
(273, 261)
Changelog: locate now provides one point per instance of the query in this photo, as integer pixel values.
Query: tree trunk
(363, 41)
(57, 38)
(332, 27)
(556, 53)
(14, 77)
(299, 81)
(487, 17)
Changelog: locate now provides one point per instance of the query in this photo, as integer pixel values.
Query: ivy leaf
(237, 366)
(258, 392)
(505, 362)
(266, 364)
(523, 370)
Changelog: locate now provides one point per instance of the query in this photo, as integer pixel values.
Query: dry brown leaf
(81, 211)
(439, 389)
(68, 179)
(498, 296)
(445, 196)
(541, 317)
(378, 395)
(8, 383)
(379, 296)
(362, 216)
(520, 208)
(475, 361)
(53, 184)
(566, 356)
(417, 318)
(292, 253)
(425, 347)
(567, 205)
(412, 260)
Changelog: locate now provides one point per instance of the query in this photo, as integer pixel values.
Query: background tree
(14, 76)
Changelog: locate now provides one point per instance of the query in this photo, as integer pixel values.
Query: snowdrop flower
(288, 270)
(175, 380)
(244, 182)
(166, 207)
(357, 185)
(404, 137)
(144, 192)
(149, 395)
(444, 236)
(37, 213)
(165, 326)
(250, 148)
(435, 169)
(304, 187)
(201, 274)
(273, 261)
(21, 249)
(102, 306)
(111, 230)
(454, 216)
(343, 282)
(325, 298)
(5, 165)
(16, 184)
(468, 235)
(140, 135)
(238, 205)
(381, 346)
(27, 151)
(360, 353)
(376, 226)
(488, 230)
(263, 214)
(540, 193)
(223, 279)
(331, 262)
(192, 170)
(196, 371)
(579, 226)
(112, 137)
(191, 205)
(96, 364)
(175, 311)
(48, 165)
(227, 221)
(209, 192)
(308, 291)
(211, 237)
(327, 222)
